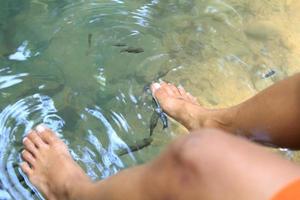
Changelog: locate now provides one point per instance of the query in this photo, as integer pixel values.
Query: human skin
(206, 164)
(270, 117)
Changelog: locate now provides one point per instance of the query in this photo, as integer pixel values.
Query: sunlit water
(61, 64)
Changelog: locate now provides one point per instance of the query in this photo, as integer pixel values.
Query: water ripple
(111, 162)
(116, 142)
(15, 121)
(115, 17)
(8, 80)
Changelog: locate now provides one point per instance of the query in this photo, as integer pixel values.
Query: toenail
(40, 128)
(156, 86)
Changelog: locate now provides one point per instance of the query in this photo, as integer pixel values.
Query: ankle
(79, 188)
(220, 119)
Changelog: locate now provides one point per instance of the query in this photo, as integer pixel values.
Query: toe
(162, 89)
(27, 156)
(181, 90)
(26, 168)
(169, 89)
(183, 93)
(156, 88)
(160, 94)
(36, 139)
(174, 89)
(29, 146)
(192, 99)
(46, 134)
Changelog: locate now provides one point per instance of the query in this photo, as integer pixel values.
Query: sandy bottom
(230, 63)
(220, 51)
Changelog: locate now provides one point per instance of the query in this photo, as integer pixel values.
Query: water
(59, 65)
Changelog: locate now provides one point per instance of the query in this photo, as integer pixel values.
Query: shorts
(290, 192)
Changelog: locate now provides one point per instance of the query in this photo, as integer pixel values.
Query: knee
(187, 160)
(200, 149)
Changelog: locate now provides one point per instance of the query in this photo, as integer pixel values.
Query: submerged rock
(261, 31)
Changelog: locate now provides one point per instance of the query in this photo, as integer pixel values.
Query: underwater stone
(261, 31)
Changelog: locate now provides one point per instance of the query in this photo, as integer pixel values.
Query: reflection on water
(66, 63)
(10, 80)
(16, 120)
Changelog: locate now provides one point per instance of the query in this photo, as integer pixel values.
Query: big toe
(168, 97)
(164, 92)
(160, 93)
(46, 134)
(155, 87)
(178, 104)
(164, 89)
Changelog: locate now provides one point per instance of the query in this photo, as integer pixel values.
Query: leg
(272, 116)
(207, 164)
(210, 164)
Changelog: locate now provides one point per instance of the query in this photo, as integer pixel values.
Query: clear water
(59, 66)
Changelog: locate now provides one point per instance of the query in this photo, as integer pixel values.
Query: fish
(269, 73)
(158, 114)
(136, 146)
(153, 122)
(90, 36)
(22, 181)
(120, 45)
(132, 50)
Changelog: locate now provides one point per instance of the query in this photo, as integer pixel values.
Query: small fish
(136, 146)
(157, 114)
(269, 73)
(153, 122)
(90, 36)
(132, 50)
(120, 45)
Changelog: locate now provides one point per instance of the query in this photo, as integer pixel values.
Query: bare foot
(49, 165)
(184, 108)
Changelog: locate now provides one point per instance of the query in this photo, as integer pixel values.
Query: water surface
(61, 64)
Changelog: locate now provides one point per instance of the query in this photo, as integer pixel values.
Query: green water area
(81, 67)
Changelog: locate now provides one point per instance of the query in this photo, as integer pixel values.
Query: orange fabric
(290, 192)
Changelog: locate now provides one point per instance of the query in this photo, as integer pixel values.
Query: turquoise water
(61, 64)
